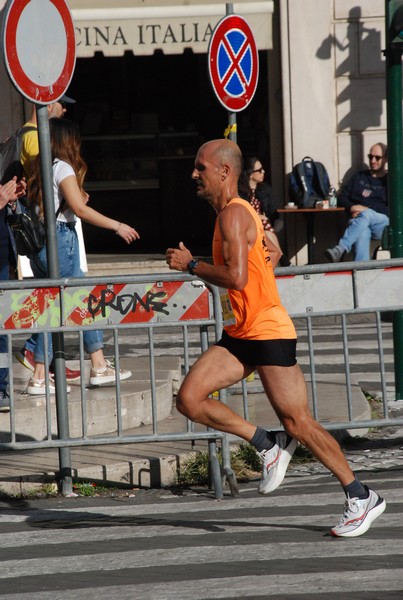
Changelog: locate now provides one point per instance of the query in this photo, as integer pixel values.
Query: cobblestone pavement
(379, 449)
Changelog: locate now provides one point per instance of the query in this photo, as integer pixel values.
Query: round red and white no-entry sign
(233, 63)
(39, 48)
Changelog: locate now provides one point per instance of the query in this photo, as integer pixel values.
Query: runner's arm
(236, 228)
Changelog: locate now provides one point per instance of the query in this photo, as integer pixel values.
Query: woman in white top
(69, 170)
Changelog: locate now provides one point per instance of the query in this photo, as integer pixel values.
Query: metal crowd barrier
(343, 292)
(179, 302)
(150, 303)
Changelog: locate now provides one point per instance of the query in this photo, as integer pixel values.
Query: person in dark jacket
(258, 192)
(365, 198)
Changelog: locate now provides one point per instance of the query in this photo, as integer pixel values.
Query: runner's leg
(216, 369)
(286, 390)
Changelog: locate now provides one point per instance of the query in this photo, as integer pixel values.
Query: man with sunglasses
(365, 199)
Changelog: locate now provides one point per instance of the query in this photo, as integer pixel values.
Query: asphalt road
(170, 544)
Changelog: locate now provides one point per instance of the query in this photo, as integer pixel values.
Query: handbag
(29, 230)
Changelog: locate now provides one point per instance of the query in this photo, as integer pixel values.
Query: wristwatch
(192, 265)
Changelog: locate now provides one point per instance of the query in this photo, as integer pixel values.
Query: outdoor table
(309, 215)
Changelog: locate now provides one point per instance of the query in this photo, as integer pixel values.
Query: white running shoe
(359, 514)
(275, 462)
(107, 374)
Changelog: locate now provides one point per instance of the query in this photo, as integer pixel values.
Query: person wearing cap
(30, 142)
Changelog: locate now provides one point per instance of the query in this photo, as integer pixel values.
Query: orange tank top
(256, 310)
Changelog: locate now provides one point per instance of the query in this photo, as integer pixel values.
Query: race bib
(228, 316)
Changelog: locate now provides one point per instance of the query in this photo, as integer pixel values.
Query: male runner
(258, 335)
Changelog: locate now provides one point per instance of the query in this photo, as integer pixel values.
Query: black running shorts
(281, 353)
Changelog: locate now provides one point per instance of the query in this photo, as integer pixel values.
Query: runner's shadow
(84, 520)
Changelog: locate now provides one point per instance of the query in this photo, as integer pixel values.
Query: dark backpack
(10, 154)
(28, 231)
(309, 182)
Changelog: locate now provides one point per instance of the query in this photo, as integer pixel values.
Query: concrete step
(107, 264)
(100, 402)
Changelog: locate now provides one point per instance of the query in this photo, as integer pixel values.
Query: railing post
(393, 55)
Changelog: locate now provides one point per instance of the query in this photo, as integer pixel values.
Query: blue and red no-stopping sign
(233, 63)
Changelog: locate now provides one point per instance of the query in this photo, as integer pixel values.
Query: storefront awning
(156, 26)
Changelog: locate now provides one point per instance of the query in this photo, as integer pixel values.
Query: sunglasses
(371, 156)
(258, 170)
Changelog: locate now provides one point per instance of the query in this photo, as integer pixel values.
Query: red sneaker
(26, 358)
(72, 375)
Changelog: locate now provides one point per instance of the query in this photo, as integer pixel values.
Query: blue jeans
(368, 225)
(69, 266)
(4, 276)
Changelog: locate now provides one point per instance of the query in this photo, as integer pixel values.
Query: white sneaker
(275, 462)
(37, 387)
(359, 514)
(107, 374)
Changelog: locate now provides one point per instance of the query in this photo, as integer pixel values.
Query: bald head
(218, 165)
(224, 151)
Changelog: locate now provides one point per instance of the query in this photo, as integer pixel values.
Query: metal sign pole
(45, 157)
(234, 82)
(53, 272)
(232, 124)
